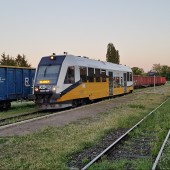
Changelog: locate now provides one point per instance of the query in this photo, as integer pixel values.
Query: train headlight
(53, 89)
(36, 89)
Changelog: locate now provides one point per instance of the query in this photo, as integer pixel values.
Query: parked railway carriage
(67, 80)
(146, 81)
(16, 83)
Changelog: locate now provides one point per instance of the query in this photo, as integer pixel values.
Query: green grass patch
(138, 106)
(18, 108)
(140, 164)
(164, 162)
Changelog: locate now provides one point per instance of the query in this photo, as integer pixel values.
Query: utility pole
(154, 83)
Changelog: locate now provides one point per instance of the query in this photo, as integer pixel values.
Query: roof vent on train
(85, 57)
(65, 53)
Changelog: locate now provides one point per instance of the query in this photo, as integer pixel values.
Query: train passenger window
(91, 74)
(127, 76)
(70, 76)
(130, 74)
(83, 74)
(116, 82)
(103, 73)
(97, 73)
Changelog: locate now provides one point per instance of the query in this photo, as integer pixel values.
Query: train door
(110, 83)
(125, 82)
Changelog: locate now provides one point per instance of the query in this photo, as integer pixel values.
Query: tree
(21, 61)
(112, 54)
(7, 60)
(156, 68)
(162, 70)
(137, 71)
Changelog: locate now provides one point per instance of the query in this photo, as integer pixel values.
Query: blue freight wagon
(15, 84)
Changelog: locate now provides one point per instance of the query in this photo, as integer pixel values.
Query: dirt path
(66, 117)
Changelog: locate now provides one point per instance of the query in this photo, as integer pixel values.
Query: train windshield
(48, 74)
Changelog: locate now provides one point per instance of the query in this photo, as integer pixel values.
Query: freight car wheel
(5, 105)
(8, 105)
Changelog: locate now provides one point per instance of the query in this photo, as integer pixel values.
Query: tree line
(157, 70)
(18, 61)
(112, 55)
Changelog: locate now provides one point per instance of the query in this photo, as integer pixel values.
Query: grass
(164, 162)
(122, 164)
(158, 125)
(18, 108)
(51, 147)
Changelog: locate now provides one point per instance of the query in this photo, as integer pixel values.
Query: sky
(139, 29)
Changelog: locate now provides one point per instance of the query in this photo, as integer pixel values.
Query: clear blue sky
(139, 29)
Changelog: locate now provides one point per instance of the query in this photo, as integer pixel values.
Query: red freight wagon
(145, 81)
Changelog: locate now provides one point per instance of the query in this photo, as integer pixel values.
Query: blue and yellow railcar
(67, 80)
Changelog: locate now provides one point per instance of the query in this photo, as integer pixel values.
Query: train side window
(83, 74)
(91, 74)
(124, 76)
(103, 75)
(97, 73)
(70, 76)
(116, 81)
(127, 76)
(130, 74)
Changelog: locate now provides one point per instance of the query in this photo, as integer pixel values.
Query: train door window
(130, 74)
(91, 74)
(116, 82)
(97, 73)
(121, 81)
(103, 75)
(83, 74)
(127, 76)
(70, 76)
(124, 76)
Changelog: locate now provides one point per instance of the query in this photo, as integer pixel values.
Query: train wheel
(75, 103)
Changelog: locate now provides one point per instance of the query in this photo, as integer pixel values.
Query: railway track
(121, 139)
(3, 120)
(22, 117)
(160, 152)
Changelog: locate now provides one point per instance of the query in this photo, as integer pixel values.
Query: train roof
(86, 62)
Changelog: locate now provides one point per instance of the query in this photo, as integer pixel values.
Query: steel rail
(18, 116)
(120, 138)
(160, 152)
